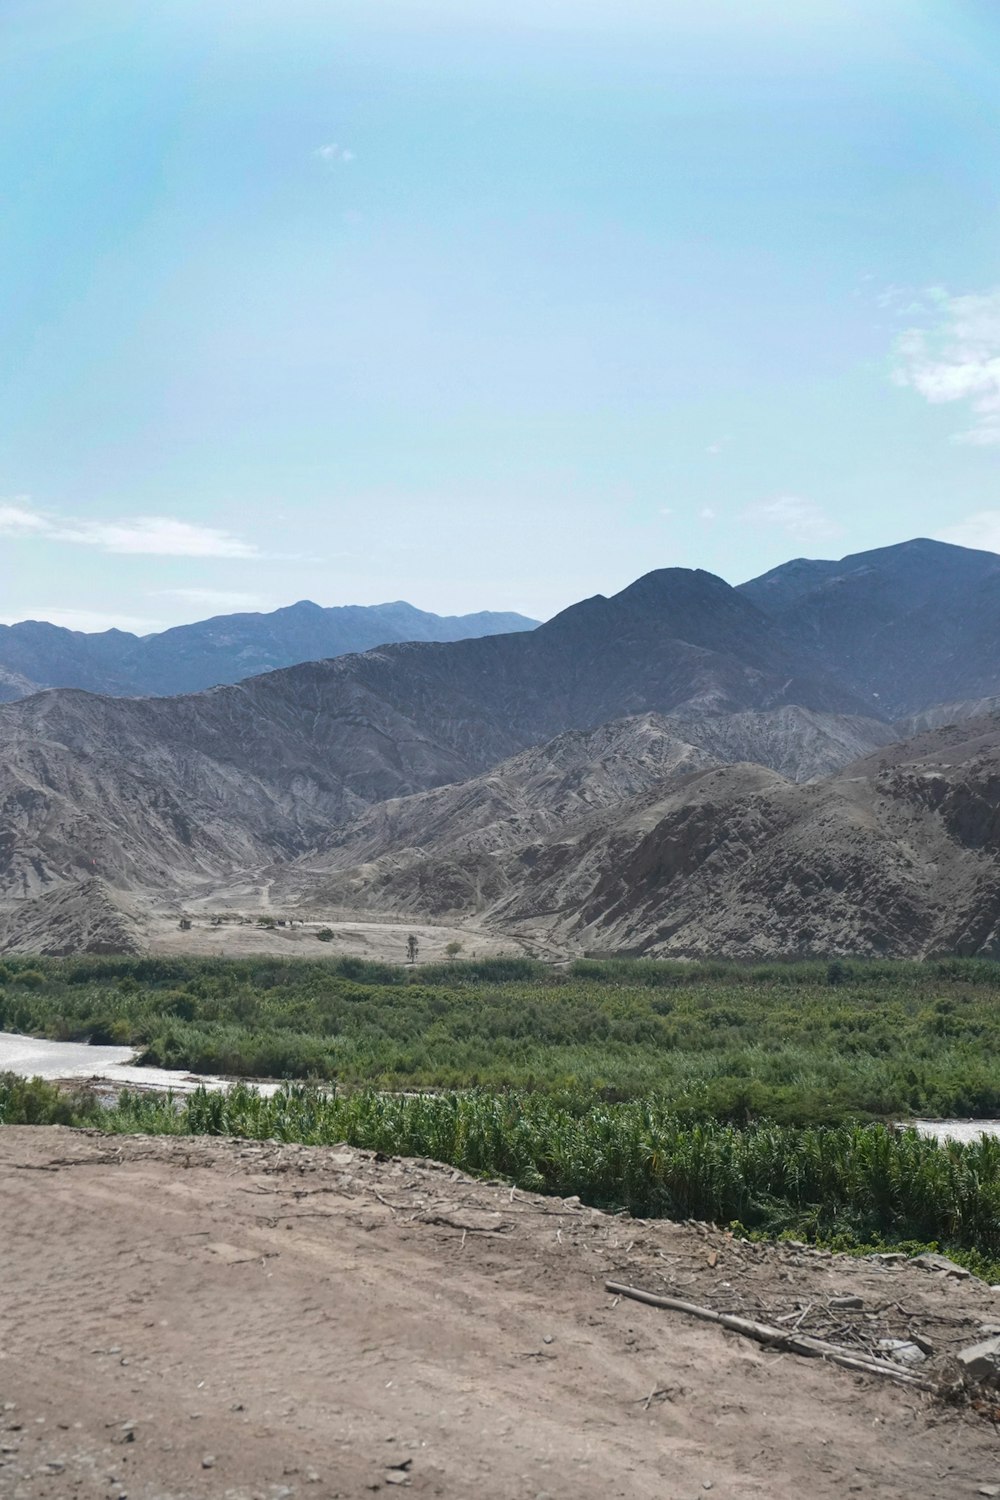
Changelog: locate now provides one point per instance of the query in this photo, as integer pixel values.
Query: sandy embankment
(194, 1317)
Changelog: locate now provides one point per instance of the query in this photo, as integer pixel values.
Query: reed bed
(853, 1182)
(799, 1044)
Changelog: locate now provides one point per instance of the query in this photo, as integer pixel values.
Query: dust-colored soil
(194, 1317)
(365, 936)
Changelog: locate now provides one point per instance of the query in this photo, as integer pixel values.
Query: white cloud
(956, 357)
(981, 530)
(802, 520)
(19, 519)
(718, 446)
(228, 600)
(334, 153)
(158, 536)
(706, 513)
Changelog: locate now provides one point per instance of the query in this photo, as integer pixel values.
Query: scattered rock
(842, 1304)
(981, 1361)
(925, 1345)
(208, 1462)
(903, 1351)
(933, 1262)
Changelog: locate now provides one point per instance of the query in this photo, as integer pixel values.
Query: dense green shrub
(717, 1041)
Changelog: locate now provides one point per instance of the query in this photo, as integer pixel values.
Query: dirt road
(204, 1318)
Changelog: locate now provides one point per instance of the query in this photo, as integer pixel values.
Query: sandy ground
(193, 1318)
(360, 937)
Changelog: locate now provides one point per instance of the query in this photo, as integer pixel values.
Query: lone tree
(453, 949)
(412, 948)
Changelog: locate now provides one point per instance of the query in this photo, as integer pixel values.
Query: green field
(754, 1095)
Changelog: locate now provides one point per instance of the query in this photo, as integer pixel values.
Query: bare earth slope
(155, 792)
(462, 847)
(84, 917)
(897, 854)
(193, 1317)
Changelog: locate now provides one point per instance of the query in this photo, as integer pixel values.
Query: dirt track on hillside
(194, 1318)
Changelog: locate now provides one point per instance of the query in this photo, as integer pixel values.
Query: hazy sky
(486, 303)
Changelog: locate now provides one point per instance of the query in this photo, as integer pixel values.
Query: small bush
(31, 979)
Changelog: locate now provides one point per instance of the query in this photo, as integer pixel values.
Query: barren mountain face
(895, 855)
(661, 772)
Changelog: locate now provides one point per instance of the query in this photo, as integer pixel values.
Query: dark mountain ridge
(904, 627)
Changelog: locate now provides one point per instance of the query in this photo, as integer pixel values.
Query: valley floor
(191, 1317)
(361, 934)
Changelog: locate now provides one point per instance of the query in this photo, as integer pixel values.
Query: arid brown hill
(585, 784)
(895, 855)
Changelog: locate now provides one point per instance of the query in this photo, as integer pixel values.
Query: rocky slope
(190, 658)
(161, 790)
(438, 849)
(79, 918)
(896, 854)
(659, 771)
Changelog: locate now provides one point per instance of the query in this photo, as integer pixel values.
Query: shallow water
(31, 1057)
(956, 1130)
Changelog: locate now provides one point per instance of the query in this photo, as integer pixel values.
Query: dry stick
(766, 1333)
(396, 1208)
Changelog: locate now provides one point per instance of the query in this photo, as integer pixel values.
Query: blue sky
(486, 303)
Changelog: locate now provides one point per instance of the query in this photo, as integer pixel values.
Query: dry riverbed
(195, 1317)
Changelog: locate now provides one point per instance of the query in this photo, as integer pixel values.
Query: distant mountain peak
(224, 649)
(907, 625)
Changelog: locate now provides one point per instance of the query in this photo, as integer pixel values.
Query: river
(31, 1057)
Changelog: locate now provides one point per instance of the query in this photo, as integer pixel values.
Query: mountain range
(682, 768)
(189, 658)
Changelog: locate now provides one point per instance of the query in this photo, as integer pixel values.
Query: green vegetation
(747, 1094)
(797, 1044)
(852, 1186)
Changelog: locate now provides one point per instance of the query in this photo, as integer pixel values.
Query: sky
(486, 304)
